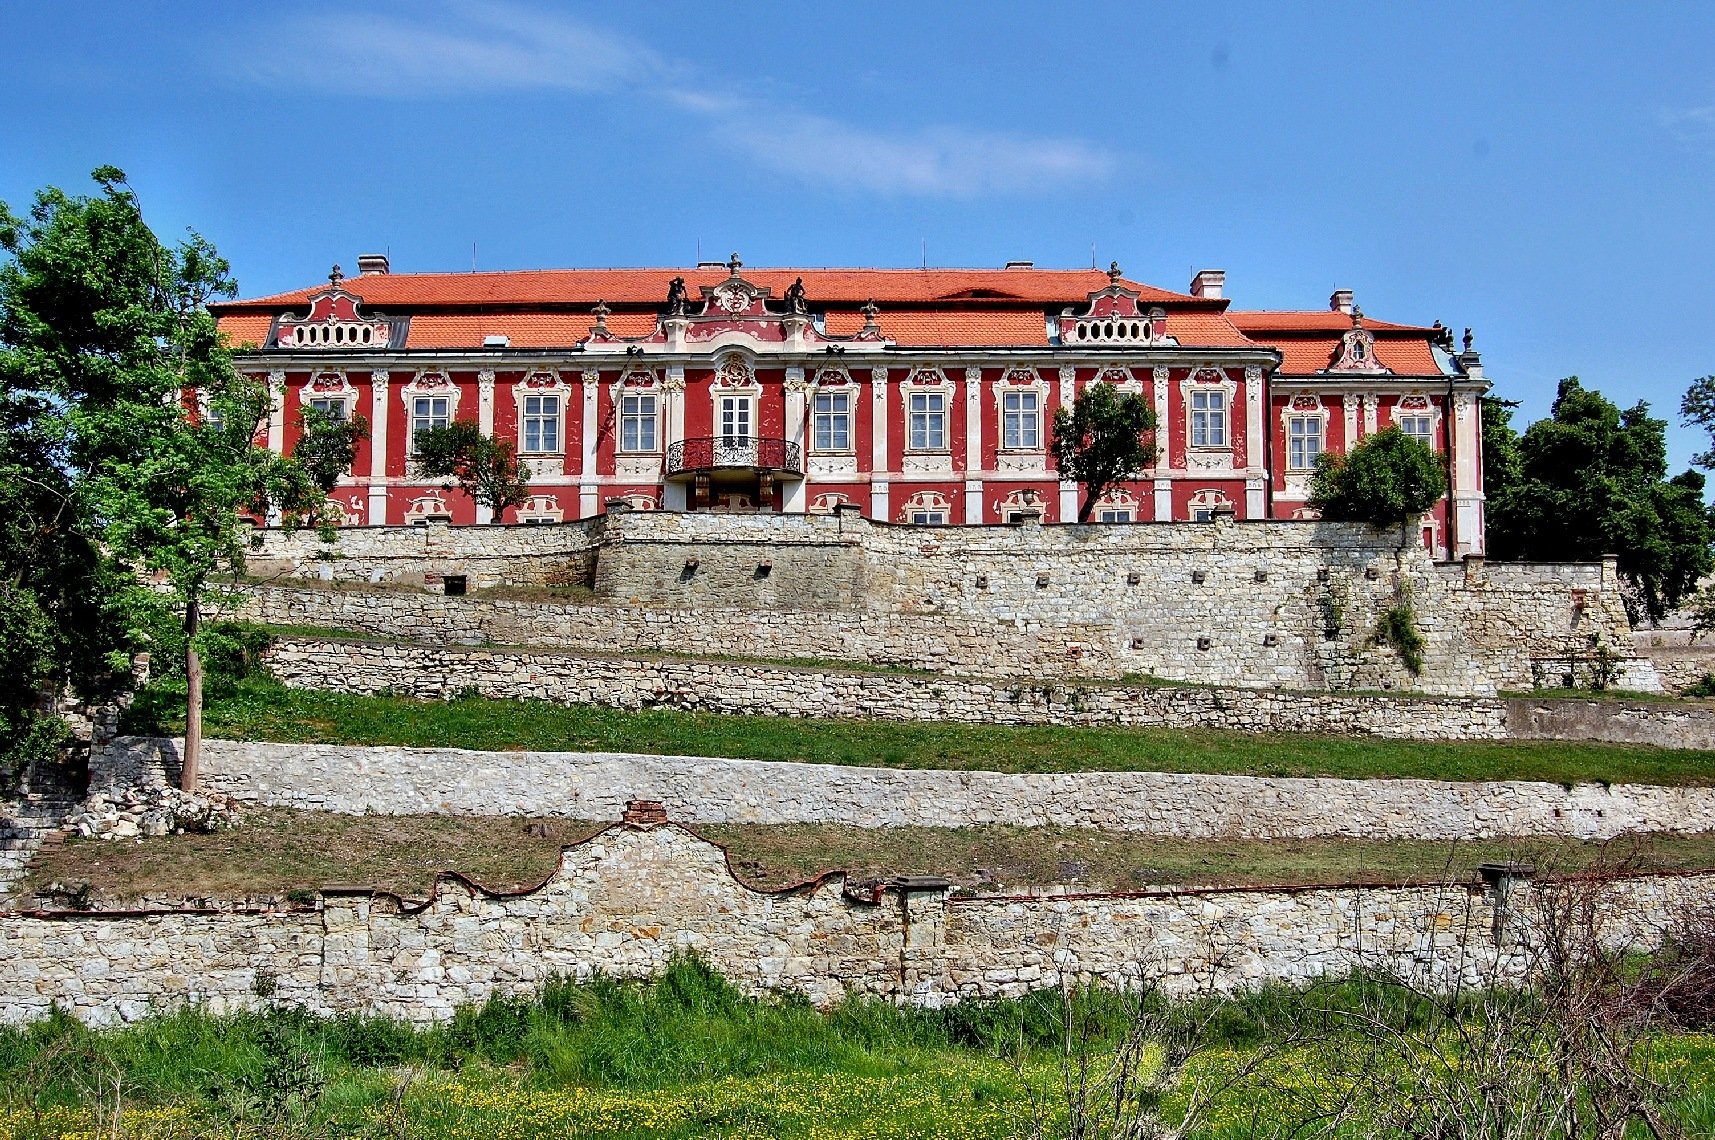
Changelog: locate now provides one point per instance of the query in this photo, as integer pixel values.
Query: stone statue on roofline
(676, 297)
(794, 298)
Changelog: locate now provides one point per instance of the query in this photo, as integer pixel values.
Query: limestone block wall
(420, 556)
(756, 688)
(1680, 659)
(625, 901)
(943, 644)
(402, 781)
(1257, 604)
(1545, 625)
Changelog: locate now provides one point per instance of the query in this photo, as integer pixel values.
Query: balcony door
(737, 437)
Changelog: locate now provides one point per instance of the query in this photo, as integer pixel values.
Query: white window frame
(1210, 408)
(735, 419)
(542, 422)
(836, 420)
(1293, 435)
(339, 407)
(1115, 515)
(419, 421)
(1020, 425)
(933, 435)
(927, 518)
(639, 419)
(1427, 419)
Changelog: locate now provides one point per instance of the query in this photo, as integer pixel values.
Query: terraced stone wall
(594, 785)
(627, 900)
(1258, 604)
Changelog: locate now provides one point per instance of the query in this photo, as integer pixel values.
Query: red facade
(917, 396)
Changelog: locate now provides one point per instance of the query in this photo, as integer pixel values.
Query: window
(928, 518)
(1303, 442)
(429, 412)
(637, 421)
(1208, 419)
(334, 409)
(541, 424)
(928, 421)
(735, 421)
(831, 429)
(1114, 515)
(1420, 428)
(1020, 421)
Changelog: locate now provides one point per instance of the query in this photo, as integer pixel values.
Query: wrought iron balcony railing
(755, 453)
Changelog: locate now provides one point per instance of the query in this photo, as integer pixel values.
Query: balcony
(747, 454)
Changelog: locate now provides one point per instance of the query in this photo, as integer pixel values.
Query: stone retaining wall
(805, 691)
(627, 900)
(580, 785)
(1296, 604)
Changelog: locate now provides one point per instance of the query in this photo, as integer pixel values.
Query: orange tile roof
(246, 328)
(649, 286)
(523, 330)
(917, 327)
(1309, 340)
(1205, 329)
(1306, 355)
(1309, 320)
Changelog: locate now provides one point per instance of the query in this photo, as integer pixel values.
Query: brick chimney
(1340, 300)
(1209, 283)
(373, 265)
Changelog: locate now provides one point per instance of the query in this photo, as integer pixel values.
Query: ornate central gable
(1114, 317)
(336, 320)
(1358, 350)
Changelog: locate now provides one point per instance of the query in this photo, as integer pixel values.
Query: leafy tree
(327, 446)
(1100, 442)
(106, 334)
(1592, 480)
(485, 468)
(1698, 407)
(1502, 463)
(1387, 480)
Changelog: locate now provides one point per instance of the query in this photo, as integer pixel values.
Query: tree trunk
(189, 770)
(1088, 507)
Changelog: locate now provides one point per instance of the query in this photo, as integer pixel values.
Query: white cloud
(1694, 125)
(938, 161)
(461, 47)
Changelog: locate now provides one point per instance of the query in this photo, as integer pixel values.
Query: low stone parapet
(626, 901)
(594, 785)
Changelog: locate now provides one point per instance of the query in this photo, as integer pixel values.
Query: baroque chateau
(920, 396)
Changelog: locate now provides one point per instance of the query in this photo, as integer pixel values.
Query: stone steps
(23, 830)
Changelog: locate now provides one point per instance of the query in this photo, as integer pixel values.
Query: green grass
(685, 1056)
(278, 851)
(257, 709)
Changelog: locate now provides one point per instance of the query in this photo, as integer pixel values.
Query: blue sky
(1542, 173)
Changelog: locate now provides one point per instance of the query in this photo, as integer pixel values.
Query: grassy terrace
(687, 1057)
(257, 709)
(278, 850)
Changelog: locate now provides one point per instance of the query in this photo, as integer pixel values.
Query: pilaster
(973, 445)
(378, 409)
(1065, 394)
(276, 425)
(485, 423)
(588, 429)
(878, 483)
(794, 493)
(1256, 494)
(1163, 445)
